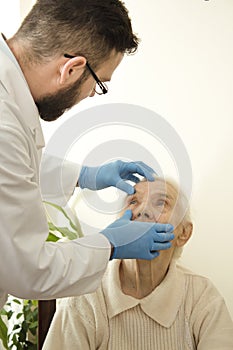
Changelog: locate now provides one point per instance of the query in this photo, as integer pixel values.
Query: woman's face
(157, 202)
(153, 202)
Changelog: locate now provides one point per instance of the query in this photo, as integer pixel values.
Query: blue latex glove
(136, 239)
(114, 174)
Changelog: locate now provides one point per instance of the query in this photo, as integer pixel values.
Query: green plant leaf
(17, 301)
(52, 237)
(72, 224)
(23, 332)
(31, 346)
(3, 333)
(19, 315)
(35, 314)
(9, 314)
(34, 331)
(3, 312)
(14, 339)
(33, 325)
(35, 302)
(67, 233)
(64, 213)
(52, 227)
(16, 326)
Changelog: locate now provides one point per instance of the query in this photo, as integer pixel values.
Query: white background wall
(184, 72)
(185, 65)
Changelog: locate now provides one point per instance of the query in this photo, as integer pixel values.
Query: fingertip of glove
(131, 190)
(154, 255)
(172, 236)
(151, 178)
(170, 228)
(125, 187)
(128, 213)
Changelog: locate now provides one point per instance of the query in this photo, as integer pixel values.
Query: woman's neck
(140, 277)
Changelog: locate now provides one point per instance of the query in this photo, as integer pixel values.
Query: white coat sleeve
(58, 178)
(30, 267)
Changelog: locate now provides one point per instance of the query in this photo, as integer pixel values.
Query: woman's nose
(145, 215)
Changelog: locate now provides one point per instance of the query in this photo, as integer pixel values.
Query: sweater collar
(161, 305)
(15, 84)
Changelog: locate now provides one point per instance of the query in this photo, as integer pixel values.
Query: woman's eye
(161, 203)
(133, 201)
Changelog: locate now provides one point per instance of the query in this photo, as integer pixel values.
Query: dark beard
(52, 106)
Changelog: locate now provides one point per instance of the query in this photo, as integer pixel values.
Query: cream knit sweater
(185, 312)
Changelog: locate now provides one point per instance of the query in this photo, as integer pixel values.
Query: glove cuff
(114, 253)
(87, 178)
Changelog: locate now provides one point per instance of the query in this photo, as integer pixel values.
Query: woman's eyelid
(132, 201)
(161, 201)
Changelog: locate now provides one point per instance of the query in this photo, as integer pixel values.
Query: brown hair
(91, 28)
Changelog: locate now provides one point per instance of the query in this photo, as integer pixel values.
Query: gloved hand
(114, 174)
(136, 239)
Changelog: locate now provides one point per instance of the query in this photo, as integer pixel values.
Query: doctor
(63, 51)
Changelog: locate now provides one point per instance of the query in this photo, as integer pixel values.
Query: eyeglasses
(101, 88)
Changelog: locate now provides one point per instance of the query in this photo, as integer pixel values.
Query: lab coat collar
(14, 82)
(161, 305)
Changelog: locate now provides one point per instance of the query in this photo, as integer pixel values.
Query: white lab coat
(30, 267)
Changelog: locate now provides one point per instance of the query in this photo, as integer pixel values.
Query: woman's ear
(185, 234)
(72, 70)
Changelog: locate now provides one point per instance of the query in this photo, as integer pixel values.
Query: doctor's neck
(42, 75)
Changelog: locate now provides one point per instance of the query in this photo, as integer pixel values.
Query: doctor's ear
(185, 234)
(72, 69)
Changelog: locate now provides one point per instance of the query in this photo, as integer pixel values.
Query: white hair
(181, 211)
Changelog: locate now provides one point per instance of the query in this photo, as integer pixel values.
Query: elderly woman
(147, 305)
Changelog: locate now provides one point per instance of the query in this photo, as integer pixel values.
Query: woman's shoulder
(198, 287)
